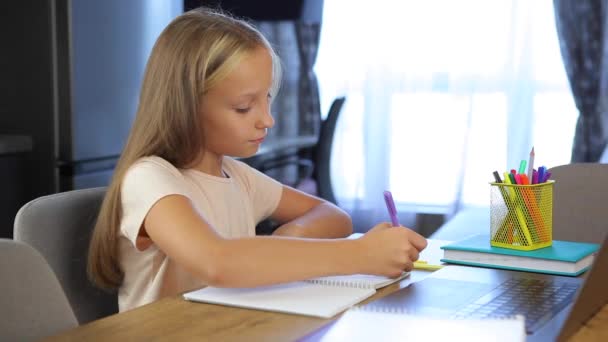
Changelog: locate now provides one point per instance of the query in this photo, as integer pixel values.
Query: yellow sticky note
(423, 265)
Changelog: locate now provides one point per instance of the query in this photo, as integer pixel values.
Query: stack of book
(561, 258)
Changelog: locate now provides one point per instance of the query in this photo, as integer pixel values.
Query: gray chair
(33, 303)
(59, 227)
(580, 202)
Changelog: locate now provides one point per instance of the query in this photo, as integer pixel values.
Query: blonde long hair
(195, 51)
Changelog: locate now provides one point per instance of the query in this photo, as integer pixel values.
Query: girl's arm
(185, 237)
(306, 216)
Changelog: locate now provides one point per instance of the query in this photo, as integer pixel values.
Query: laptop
(555, 307)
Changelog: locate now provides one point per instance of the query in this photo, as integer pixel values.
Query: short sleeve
(265, 192)
(146, 182)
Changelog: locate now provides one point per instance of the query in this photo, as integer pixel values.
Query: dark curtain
(296, 107)
(581, 26)
(308, 45)
(285, 108)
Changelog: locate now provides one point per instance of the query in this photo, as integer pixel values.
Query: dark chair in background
(321, 153)
(59, 227)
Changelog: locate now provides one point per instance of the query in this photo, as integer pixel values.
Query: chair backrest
(32, 301)
(322, 152)
(580, 198)
(59, 226)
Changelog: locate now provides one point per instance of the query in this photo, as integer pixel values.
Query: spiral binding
(385, 309)
(342, 283)
(382, 309)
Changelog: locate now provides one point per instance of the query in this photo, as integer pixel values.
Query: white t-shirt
(233, 206)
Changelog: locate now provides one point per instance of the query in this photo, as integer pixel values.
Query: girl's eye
(243, 110)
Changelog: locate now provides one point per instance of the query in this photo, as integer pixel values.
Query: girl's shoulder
(151, 174)
(154, 160)
(153, 164)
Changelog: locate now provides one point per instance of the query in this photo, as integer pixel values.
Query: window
(441, 93)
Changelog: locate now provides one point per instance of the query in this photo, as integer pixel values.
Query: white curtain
(440, 93)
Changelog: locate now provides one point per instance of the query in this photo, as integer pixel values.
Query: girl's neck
(211, 165)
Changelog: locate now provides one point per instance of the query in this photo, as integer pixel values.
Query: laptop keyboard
(537, 300)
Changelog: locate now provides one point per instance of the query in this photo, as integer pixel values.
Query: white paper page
(360, 325)
(299, 298)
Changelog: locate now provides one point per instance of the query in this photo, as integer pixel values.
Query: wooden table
(596, 329)
(175, 319)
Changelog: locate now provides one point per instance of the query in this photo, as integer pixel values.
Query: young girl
(180, 214)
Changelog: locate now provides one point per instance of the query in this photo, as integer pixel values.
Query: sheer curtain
(439, 94)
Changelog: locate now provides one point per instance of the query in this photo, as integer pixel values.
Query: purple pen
(547, 175)
(390, 205)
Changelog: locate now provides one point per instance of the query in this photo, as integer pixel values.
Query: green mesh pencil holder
(521, 216)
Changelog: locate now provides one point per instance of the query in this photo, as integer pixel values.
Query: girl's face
(236, 111)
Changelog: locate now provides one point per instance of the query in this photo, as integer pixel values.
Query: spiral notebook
(360, 324)
(320, 297)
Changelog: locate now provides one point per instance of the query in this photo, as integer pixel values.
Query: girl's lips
(258, 141)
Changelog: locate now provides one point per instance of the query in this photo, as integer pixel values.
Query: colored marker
(497, 177)
(390, 205)
(511, 178)
(531, 165)
(541, 174)
(547, 176)
(522, 166)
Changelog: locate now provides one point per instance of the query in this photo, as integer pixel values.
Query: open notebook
(320, 297)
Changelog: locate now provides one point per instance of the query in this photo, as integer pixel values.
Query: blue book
(562, 258)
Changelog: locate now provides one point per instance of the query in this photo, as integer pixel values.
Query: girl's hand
(388, 251)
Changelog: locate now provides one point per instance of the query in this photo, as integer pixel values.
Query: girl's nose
(266, 119)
